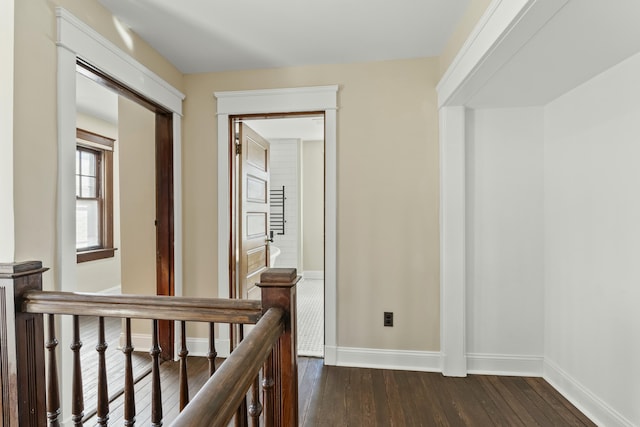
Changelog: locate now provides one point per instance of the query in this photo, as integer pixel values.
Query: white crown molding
(503, 29)
(312, 98)
(582, 398)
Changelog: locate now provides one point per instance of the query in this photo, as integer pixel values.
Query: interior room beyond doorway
(297, 213)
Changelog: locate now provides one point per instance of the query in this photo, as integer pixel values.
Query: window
(94, 196)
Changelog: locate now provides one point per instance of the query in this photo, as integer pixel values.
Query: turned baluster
(268, 394)
(103, 391)
(241, 415)
(211, 356)
(156, 394)
(77, 396)
(129, 394)
(53, 391)
(255, 409)
(184, 380)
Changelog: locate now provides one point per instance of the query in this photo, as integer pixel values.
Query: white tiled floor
(311, 317)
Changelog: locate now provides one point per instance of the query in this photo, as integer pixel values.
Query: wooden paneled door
(253, 209)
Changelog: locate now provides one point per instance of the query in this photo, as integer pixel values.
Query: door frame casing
(285, 100)
(76, 40)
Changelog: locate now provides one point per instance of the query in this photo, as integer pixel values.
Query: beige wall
(35, 128)
(461, 32)
(136, 137)
(313, 205)
(388, 251)
(102, 274)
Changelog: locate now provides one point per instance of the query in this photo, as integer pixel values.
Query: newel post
(22, 371)
(279, 290)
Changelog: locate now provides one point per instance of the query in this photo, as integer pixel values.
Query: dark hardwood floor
(339, 396)
(114, 359)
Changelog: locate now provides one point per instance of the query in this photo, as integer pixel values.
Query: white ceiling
(205, 36)
(583, 39)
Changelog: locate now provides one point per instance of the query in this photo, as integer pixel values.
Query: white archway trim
(88, 44)
(317, 98)
(77, 40)
(504, 28)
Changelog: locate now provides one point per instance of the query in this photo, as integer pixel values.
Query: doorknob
(269, 239)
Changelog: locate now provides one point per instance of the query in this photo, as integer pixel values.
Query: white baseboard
(504, 364)
(116, 290)
(196, 346)
(330, 355)
(426, 361)
(582, 398)
(317, 275)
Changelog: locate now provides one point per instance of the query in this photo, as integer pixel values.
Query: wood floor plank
(436, 383)
(569, 413)
(396, 411)
(309, 377)
(380, 399)
(504, 414)
(315, 415)
(426, 404)
(337, 379)
(549, 412)
(520, 404)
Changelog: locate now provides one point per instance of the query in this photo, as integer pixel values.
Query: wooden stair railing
(28, 399)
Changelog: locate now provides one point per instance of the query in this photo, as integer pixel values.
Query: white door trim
(75, 39)
(7, 222)
(317, 98)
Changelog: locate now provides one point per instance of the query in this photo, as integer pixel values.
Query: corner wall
(505, 289)
(592, 242)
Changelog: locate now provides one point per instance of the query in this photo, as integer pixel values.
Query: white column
(7, 224)
(66, 221)
(223, 343)
(331, 239)
(452, 241)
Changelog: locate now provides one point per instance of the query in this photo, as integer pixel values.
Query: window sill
(95, 254)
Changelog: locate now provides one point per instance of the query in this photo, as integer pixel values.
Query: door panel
(253, 207)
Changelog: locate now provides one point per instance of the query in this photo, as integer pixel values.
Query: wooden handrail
(270, 345)
(143, 307)
(217, 401)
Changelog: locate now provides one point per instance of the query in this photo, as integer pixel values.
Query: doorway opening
(282, 100)
(159, 219)
(285, 210)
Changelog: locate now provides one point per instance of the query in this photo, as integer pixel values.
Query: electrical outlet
(388, 318)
